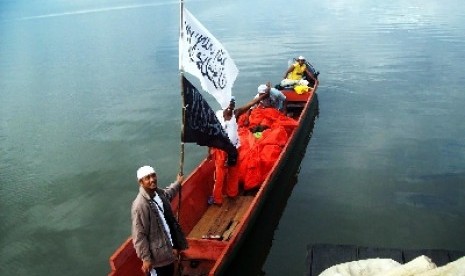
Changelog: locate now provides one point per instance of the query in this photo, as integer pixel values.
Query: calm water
(89, 91)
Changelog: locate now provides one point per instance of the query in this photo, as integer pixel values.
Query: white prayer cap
(262, 88)
(233, 99)
(144, 171)
(301, 58)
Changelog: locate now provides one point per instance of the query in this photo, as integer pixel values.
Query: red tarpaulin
(260, 149)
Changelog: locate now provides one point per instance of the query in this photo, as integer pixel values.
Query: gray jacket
(148, 233)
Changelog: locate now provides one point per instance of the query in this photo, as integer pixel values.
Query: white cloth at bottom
(289, 82)
(420, 266)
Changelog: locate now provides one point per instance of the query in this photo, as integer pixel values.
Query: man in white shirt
(228, 118)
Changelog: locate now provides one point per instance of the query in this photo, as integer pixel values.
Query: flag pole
(183, 118)
(183, 107)
(181, 74)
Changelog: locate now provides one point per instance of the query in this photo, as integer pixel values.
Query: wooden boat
(216, 233)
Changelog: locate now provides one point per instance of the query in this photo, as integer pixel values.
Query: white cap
(301, 58)
(144, 171)
(233, 99)
(262, 88)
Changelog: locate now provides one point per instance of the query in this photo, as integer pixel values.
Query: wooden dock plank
(439, 257)
(384, 253)
(455, 255)
(324, 256)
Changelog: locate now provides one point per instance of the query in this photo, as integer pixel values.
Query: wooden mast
(183, 107)
(181, 74)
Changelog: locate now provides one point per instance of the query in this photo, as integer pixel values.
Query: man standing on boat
(228, 118)
(155, 231)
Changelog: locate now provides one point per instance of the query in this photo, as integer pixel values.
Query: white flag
(203, 56)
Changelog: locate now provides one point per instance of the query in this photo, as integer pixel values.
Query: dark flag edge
(201, 126)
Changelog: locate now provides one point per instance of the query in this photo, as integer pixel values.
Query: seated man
(298, 74)
(276, 99)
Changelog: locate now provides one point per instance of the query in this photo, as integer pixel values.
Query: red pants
(230, 175)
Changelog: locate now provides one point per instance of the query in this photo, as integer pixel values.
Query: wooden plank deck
(323, 256)
(219, 222)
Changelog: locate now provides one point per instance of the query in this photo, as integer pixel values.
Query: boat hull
(258, 235)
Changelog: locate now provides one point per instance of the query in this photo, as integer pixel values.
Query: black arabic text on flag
(201, 125)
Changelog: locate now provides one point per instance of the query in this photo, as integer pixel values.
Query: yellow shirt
(298, 71)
